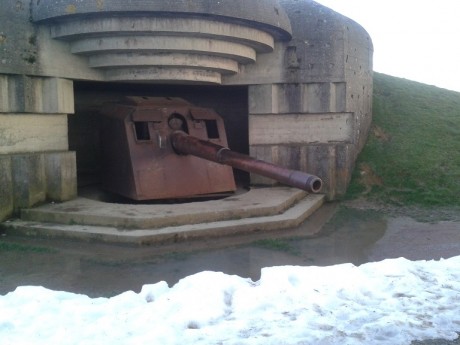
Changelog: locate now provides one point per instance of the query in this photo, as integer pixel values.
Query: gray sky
(413, 39)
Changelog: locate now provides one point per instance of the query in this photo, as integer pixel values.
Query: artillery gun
(164, 148)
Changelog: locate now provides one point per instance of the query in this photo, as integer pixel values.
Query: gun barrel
(186, 144)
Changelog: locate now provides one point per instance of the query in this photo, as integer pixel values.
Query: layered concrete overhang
(165, 41)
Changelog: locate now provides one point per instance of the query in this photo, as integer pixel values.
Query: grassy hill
(412, 156)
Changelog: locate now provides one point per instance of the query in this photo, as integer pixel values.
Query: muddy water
(345, 235)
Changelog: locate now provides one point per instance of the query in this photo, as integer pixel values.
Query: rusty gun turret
(166, 148)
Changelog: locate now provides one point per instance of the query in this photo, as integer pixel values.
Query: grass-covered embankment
(412, 156)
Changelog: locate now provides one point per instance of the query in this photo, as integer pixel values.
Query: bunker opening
(86, 127)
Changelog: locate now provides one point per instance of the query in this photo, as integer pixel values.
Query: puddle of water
(347, 235)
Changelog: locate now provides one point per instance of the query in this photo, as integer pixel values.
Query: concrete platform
(260, 209)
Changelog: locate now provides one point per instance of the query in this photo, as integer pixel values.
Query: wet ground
(344, 235)
(349, 233)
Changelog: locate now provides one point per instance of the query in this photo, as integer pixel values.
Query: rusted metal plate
(139, 160)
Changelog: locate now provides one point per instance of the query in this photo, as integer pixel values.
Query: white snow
(389, 302)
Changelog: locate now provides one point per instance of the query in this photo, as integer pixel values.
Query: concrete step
(290, 217)
(257, 202)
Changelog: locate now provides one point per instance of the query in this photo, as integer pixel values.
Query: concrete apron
(260, 209)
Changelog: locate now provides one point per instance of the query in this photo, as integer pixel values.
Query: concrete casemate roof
(266, 15)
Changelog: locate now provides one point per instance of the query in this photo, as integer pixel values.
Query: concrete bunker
(292, 80)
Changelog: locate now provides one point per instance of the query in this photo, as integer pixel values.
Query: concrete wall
(310, 101)
(35, 164)
(306, 72)
(28, 49)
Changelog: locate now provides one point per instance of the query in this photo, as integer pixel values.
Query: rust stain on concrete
(71, 9)
(100, 4)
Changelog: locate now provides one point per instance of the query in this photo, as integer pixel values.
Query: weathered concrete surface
(26, 94)
(163, 49)
(161, 74)
(289, 217)
(61, 176)
(29, 180)
(142, 44)
(33, 136)
(322, 49)
(6, 188)
(85, 211)
(33, 113)
(298, 98)
(300, 129)
(240, 28)
(32, 133)
(146, 30)
(267, 14)
(221, 65)
(27, 49)
(164, 25)
(18, 39)
(325, 69)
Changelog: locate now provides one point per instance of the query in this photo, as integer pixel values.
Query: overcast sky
(413, 39)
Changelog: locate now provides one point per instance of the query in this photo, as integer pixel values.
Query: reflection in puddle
(349, 235)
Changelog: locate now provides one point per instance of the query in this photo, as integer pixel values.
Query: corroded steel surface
(184, 143)
(139, 160)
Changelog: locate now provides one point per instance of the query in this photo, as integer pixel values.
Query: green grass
(413, 149)
(24, 248)
(277, 244)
